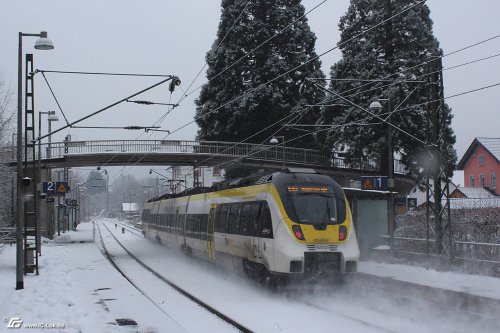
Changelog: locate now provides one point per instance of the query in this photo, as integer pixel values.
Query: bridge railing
(210, 149)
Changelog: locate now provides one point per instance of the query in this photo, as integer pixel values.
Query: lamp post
(377, 106)
(51, 117)
(274, 141)
(43, 43)
(107, 190)
(164, 177)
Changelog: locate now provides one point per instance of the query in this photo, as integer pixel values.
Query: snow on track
(176, 307)
(265, 311)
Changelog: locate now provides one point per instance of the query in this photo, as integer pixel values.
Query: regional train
(276, 227)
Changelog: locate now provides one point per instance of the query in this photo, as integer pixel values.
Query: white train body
(274, 227)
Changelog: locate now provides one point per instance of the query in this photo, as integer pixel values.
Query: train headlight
(297, 231)
(342, 232)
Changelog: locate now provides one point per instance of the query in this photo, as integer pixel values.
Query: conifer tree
(398, 51)
(264, 59)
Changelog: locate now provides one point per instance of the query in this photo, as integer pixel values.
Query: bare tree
(7, 174)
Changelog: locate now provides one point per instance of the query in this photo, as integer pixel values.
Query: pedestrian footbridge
(69, 154)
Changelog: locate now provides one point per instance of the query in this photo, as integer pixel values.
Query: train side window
(223, 218)
(233, 219)
(196, 226)
(180, 223)
(188, 225)
(245, 222)
(203, 226)
(266, 222)
(255, 219)
(341, 210)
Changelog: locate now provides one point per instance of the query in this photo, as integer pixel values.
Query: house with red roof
(481, 164)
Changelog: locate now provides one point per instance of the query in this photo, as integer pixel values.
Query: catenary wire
(164, 116)
(185, 95)
(358, 121)
(259, 46)
(218, 46)
(321, 55)
(419, 76)
(310, 60)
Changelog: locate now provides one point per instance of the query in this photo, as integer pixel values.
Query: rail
(205, 149)
(176, 287)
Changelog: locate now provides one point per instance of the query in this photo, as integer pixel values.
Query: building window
(481, 159)
(481, 180)
(493, 181)
(471, 181)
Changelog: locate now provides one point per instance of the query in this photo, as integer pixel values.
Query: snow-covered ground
(78, 288)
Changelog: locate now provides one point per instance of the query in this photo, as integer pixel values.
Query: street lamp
(43, 43)
(376, 106)
(274, 141)
(107, 190)
(51, 117)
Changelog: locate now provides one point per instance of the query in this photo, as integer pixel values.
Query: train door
(210, 233)
(257, 231)
(263, 231)
(178, 226)
(184, 223)
(156, 220)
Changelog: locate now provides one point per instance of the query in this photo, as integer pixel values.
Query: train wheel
(247, 269)
(187, 250)
(270, 282)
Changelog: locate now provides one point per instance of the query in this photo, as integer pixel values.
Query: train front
(315, 235)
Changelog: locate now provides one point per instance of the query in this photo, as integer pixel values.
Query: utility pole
(439, 165)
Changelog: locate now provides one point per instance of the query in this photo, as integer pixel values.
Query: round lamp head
(53, 117)
(375, 106)
(44, 43)
(274, 141)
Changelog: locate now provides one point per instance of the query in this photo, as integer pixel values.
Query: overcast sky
(172, 37)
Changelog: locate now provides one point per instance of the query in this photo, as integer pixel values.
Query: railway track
(177, 288)
(363, 291)
(133, 230)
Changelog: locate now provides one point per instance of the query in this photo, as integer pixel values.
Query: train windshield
(314, 204)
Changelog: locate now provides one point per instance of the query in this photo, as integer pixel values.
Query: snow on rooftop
(492, 144)
(476, 192)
